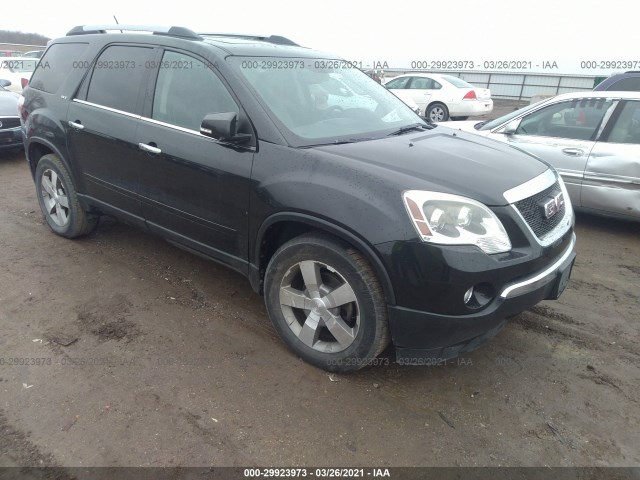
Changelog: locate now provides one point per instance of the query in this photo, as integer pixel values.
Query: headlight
(453, 220)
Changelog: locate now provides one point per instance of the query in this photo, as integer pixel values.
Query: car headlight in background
(454, 220)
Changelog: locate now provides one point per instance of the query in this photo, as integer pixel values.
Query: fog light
(467, 295)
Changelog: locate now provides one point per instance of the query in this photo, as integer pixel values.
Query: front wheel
(326, 303)
(437, 112)
(58, 199)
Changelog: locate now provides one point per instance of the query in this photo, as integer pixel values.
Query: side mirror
(5, 83)
(223, 127)
(511, 127)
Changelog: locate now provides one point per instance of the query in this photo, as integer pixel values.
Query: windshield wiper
(340, 142)
(477, 126)
(409, 128)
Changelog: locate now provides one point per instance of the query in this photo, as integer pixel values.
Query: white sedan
(17, 70)
(441, 97)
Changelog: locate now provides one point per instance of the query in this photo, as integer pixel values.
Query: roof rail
(275, 39)
(180, 32)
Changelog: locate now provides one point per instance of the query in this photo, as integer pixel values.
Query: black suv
(359, 222)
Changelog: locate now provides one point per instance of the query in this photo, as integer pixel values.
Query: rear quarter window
(55, 65)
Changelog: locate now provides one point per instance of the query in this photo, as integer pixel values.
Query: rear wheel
(58, 199)
(437, 112)
(326, 303)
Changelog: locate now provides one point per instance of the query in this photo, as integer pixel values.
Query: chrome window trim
(531, 187)
(541, 278)
(108, 109)
(155, 122)
(175, 127)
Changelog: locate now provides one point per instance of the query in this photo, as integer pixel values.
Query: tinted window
(118, 75)
(630, 84)
(397, 83)
(421, 83)
(187, 90)
(627, 126)
(55, 65)
(576, 119)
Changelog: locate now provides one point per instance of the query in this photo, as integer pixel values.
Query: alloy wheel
(55, 198)
(320, 306)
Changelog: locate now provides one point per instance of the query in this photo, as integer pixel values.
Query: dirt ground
(131, 352)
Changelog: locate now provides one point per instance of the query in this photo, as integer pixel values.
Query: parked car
(17, 70)
(360, 224)
(592, 139)
(620, 82)
(11, 137)
(333, 93)
(441, 97)
(9, 53)
(33, 53)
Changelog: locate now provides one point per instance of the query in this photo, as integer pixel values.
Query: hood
(442, 160)
(8, 104)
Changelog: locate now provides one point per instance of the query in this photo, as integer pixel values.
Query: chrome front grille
(532, 210)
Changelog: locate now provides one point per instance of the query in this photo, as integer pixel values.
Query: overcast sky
(397, 32)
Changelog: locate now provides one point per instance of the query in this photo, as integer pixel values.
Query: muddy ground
(173, 362)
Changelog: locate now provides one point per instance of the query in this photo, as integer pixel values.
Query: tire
(437, 112)
(341, 338)
(459, 118)
(58, 199)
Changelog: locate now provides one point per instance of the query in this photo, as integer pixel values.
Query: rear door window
(421, 83)
(55, 66)
(118, 75)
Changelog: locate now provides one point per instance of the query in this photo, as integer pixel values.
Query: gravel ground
(140, 354)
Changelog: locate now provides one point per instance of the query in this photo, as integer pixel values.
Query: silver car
(591, 138)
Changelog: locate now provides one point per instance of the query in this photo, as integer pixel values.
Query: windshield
(14, 65)
(505, 118)
(320, 101)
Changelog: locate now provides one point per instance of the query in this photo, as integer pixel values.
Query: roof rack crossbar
(180, 32)
(275, 39)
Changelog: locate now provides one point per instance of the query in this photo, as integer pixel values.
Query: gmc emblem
(553, 206)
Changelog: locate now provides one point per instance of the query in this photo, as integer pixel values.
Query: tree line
(8, 36)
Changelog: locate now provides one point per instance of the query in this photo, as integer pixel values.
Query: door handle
(76, 125)
(573, 152)
(149, 148)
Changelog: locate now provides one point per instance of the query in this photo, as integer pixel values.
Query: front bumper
(421, 336)
(11, 138)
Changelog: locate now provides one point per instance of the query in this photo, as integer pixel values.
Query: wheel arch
(282, 227)
(436, 102)
(37, 147)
